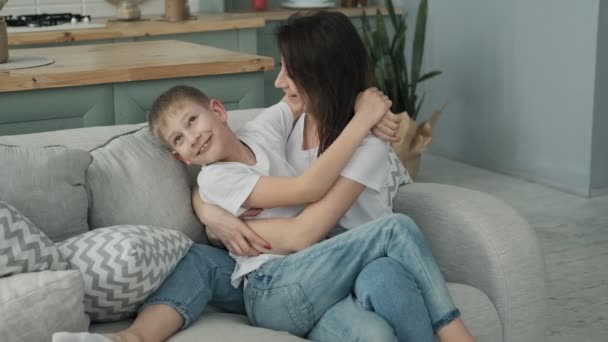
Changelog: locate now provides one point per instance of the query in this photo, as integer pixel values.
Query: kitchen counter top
(154, 26)
(125, 62)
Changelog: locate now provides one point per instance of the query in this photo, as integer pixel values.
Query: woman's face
(288, 86)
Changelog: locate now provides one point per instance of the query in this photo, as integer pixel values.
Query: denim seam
(363, 305)
(310, 309)
(334, 329)
(452, 315)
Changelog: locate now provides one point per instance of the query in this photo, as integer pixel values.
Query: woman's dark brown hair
(326, 59)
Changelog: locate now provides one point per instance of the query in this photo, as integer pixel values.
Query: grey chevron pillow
(23, 247)
(122, 266)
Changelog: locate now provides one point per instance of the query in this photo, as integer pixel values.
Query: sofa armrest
(481, 241)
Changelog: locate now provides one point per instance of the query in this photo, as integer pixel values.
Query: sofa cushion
(23, 248)
(34, 305)
(134, 179)
(122, 265)
(46, 184)
(213, 326)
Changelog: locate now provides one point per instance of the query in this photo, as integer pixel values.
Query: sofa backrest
(132, 178)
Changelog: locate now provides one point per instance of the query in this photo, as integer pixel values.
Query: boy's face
(195, 133)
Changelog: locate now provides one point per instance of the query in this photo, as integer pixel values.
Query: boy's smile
(191, 131)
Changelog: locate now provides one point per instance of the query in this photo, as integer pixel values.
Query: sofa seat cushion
(477, 310)
(122, 266)
(23, 248)
(214, 326)
(134, 179)
(34, 305)
(46, 184)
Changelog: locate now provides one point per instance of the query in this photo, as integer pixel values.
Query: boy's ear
(217, 107)
(179, 157)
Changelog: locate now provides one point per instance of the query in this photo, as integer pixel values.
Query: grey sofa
(488, 253)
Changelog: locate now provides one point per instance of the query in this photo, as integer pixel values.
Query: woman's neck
(311, 137)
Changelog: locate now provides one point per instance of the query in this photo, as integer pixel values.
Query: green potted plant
(399, 81)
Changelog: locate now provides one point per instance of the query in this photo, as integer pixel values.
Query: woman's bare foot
(455, 331)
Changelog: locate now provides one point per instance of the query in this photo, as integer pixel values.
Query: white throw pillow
(122, 266)
(35, 305)
(23, 247)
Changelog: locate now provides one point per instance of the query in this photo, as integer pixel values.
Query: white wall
(520, 78)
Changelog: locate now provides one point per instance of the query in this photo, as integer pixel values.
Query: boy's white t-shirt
(228, 184)
(374, 165)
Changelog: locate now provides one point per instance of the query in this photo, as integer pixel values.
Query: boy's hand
(388, 128)
(236, 235)
(371, 106)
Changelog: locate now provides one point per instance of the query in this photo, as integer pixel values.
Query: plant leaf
(419, 106)
(382, 34)
(428, 75)
(391, 12)
(418, 47)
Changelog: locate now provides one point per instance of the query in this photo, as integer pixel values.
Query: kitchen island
(109, 84)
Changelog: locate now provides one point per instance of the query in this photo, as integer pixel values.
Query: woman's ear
(217, 107)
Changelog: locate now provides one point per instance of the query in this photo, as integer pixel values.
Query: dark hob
(38, 20)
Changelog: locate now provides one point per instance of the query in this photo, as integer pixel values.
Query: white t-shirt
(373, 165)
(228, 184)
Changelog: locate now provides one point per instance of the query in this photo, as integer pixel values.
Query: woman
(328, 89)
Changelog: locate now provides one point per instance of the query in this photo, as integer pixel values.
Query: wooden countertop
(125, 62)
(154, 26)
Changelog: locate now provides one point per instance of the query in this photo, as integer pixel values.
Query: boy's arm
(288, 235)
(274, 191)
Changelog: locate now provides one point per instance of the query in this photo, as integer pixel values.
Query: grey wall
(520, 78)
(599, 155)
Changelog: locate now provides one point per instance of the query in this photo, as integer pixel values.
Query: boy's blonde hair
(169, 102)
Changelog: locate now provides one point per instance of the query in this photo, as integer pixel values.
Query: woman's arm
(270, 192)
(289, 235)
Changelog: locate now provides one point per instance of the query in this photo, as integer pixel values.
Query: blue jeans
(294, 292)
(383, 289)
(202, 277)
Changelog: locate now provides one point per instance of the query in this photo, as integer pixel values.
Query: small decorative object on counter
(175, 10)
(3, 36)
(258, 5)
(127, 10)
(353, 3)
(3, 41)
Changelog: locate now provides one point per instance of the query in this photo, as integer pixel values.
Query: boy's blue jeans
(203, 277)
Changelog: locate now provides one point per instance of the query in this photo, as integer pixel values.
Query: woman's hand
(233, 233)
(370, 107)
(388, 128)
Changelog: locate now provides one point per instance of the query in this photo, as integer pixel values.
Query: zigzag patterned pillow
(23, 247)
(122, 266)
